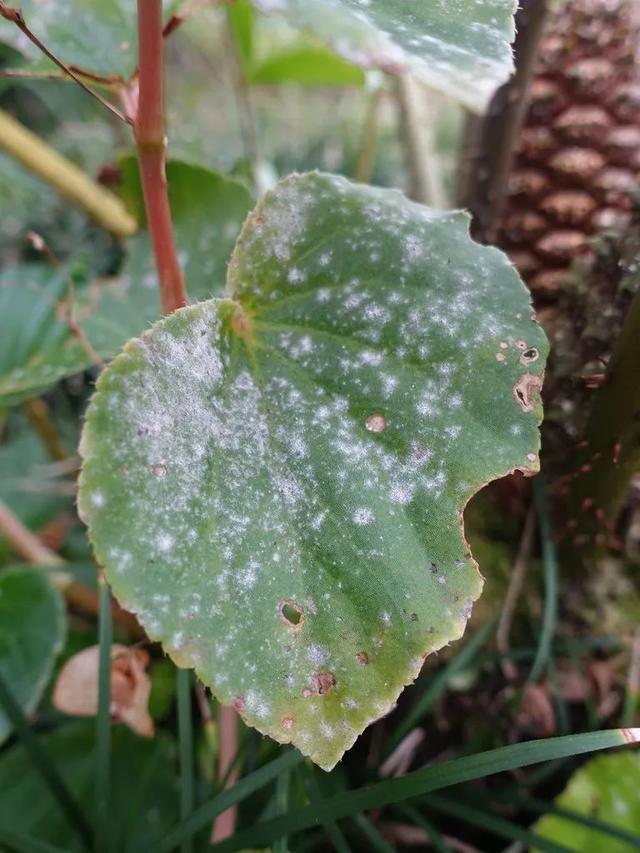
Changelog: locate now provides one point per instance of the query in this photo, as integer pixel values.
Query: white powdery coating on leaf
(298, 505)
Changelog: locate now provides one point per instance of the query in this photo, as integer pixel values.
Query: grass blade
(42, 762)
(439, 683)
(375, 840)
(205, 813)
(550, 561)
(426, 780)
(436, 840)
(282, 804)
(495, 824)
(103, 720)
(334, 834)
(185, 738)
(24, 843)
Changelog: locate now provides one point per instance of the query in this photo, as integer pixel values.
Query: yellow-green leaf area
(607, 788)
(274, 482)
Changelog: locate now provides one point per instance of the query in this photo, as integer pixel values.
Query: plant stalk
(609, 456)
(25, 543)
(425, 180)
(149, 130)
(185, 736)
(103, 720)
(39, 158)
(490, 140)
(224, 825)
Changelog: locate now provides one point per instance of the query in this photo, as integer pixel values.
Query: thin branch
(24, 542)
(368, 145)
(516, 583)
(244, 104)
(39, 415)
(185, 11)
(32, 550)
(69, 313)
(38, 157)
(16, 17)
(150, 140)
(425, 180)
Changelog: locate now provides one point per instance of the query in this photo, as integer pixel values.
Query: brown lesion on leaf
(363, 658)
(324, 682)
(287, 723)
(527, 391)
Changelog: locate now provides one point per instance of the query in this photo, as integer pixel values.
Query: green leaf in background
(241, 17)
(29, 484)
(95, 35)
(32, 630)
(461, 48)
(208, 211)
(144, 800)
(607, 788)
(37, 345)
(274, 482)
(307, 66)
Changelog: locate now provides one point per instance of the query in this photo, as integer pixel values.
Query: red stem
(150, 142)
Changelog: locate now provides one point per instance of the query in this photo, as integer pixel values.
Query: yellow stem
(101, 205)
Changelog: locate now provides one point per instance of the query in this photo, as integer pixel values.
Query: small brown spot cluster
(362, 658)
(324, 682)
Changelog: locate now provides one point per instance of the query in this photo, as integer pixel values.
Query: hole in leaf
(530, 355)
(526, 390)
(291, 613)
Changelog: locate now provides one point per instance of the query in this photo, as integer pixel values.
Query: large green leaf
(460, 47)
(95, 35)
(274, 482)
(143, 799)
(608, 789)
(37, 345)
(32, 629)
